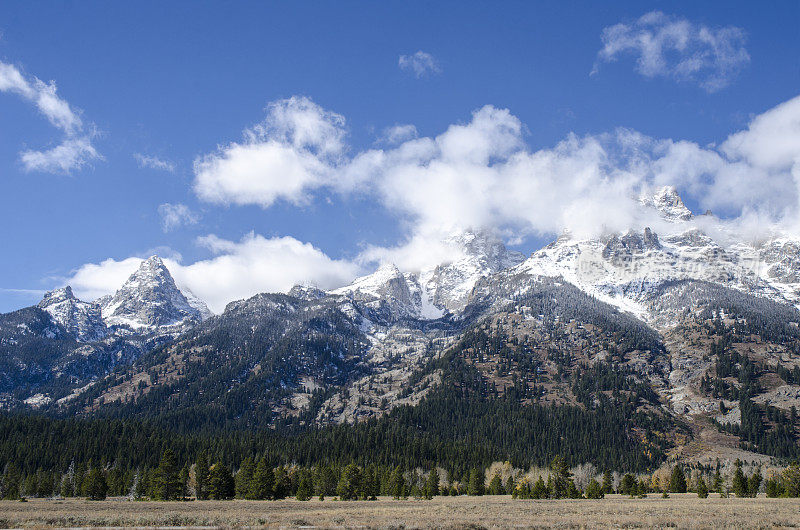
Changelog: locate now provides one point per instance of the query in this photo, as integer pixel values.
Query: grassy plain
(681, 511)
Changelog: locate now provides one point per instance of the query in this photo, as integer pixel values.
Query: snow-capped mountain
(668, 203)
(482, 254)
(386, 287)
(651, 301)
(437, 290)
(64, 345)
(149, 299)
(82, 319)
(626, 269)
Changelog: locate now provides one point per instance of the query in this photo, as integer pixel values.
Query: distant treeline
(460, 422)
(258, 480)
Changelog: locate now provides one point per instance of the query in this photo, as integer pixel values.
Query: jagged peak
(669, 204)
(153, 263)
(386, 272)
(82, 319)
(57, 295)
(387, 268)
(306, 292)
(151, 298)
(151, 271)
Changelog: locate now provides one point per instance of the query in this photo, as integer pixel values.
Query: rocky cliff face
(149, 300)
(438, 290)
(83, 319)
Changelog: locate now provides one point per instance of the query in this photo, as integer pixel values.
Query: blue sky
(159, 87)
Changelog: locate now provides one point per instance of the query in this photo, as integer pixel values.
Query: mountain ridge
(664, 311)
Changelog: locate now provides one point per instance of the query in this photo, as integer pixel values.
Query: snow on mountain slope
(434, 291)
(149, 299)
(196, 303)
(82, 319)
(668, 203)
(626, 269)
(779, 266)
(482, 254)
(386, 286)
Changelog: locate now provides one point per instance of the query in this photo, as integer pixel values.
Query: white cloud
(72, 153)
(772, 139)
(421, 64)
(294, 150)
(398, 133)
(76, 149)
(482, 175)
(93, 280)
(237, 270)
(674, 47)
(153, 162)
(176, 215)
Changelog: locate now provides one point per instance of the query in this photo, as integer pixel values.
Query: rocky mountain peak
(387, 284)
(57, 296)
(481, 253)
(632, 242)
(81, 319)
(306, 292)
(150, 299)
(440, 288)
(486, 247)
(668, 203)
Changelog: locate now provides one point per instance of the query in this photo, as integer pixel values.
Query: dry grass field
(678, 511)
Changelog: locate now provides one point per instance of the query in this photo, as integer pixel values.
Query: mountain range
(692, 326)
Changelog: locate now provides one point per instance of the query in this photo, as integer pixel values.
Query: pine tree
(95, 484)
(243, 477)
(432, 484)
(510, 485)
(183, 479)
(702, 489)
(561, 478)
(12, 481)
(739, 482)
(641, 489)
(78, 479)
(772, 486)
(677, 480)
(754, 483)
(280, 483)
(718, 483)
(166, 482)
(628, 485)
(350, 483)
(607, 485)
(370, 485)
(594, 490)
(326, 481)
(476, 485)
(791, 480)
(540, 489)
(305, 486)
(496, 485)
(201, 477)
(397, 483)
(137, 489)
(261, 486)
(221, 483)
(66, 486)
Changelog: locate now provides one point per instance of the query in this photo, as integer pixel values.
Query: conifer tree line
(257, 479)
